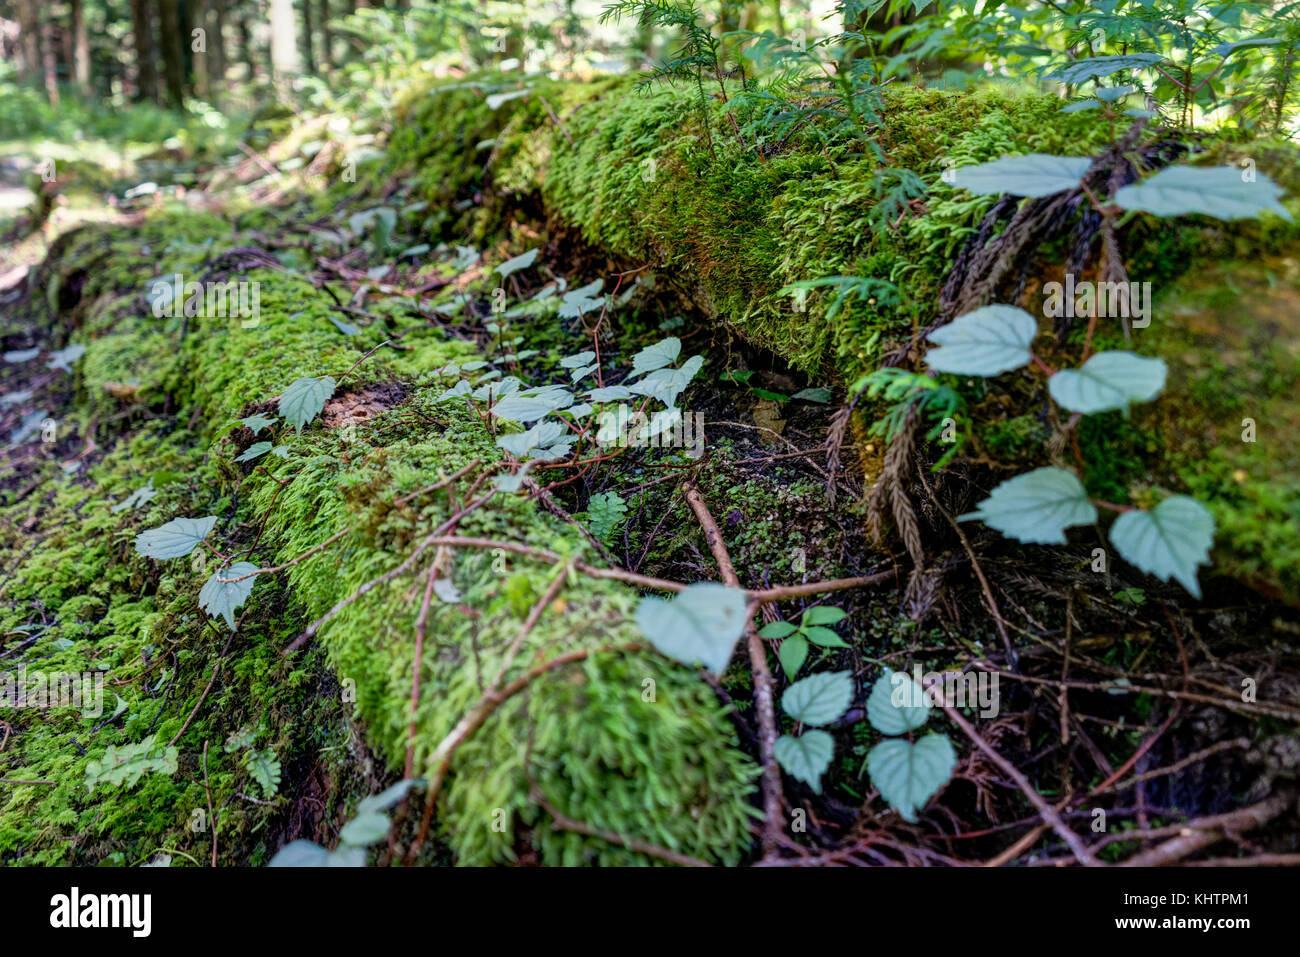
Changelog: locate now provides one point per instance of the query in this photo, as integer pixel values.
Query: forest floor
(1125, 702)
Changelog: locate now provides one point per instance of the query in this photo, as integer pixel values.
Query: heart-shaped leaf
(304, 399)
(909, 774)
(1169, 541)
(819, 699)
(1224, 192)
(1037, 507)
(1037, 174)
(662, 353)
(176, 539)
(897, 704)
(1109, 380)
(806, 757)
(699, 625)
(986, 342)
(220, 598)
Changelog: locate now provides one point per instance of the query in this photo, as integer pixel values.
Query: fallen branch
(764, 686)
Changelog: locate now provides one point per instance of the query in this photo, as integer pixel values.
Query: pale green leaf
(909, 774)
(220, 598)
(699, 625)
(254, 451)
(662, 353)
(819, 699)
(897, 704)
(1224, 192)
(989, 341)
(1169, 541)
(176, 539)
(1036, 507)
(1109, 380)
(304, 399)
(1036, 174)
(806, 757)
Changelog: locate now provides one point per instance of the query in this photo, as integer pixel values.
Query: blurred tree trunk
(146, 76)
(308, 53)
(201, 44)
(285, 64)
(80, 48)
(29, 38)
(246, 44)
(326, 38)
(217, 51)
(169, 37)
(50, 62)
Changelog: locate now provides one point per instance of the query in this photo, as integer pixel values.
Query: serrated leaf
(220, 598)
(1036, 507)
(667, 384)
(176, 539)
(127, 764)
(605, 512)
(264, 768)
(1080, 71)
(255, 450)
(792, 654)
(820, 698)
(541, 434)
(1169, 541)
(806, 757)
(576, 361)
(304, 399)
(699, 625)
(909, 774)
(257, 422)
(1037, 174)
(989, 341)
(897, 704)
(516, 263)
(662, 353)
(532, 404)
(582, 300)
(1109, 380)
(612, 393)
(1219, 191)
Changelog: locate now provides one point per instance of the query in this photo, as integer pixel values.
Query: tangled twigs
(1075, 843)
(776, 593)
(763, 684)
(1195, 835)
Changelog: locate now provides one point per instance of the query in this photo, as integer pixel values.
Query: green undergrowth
(622, 740)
